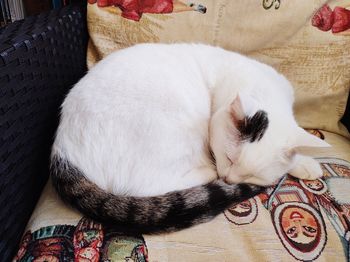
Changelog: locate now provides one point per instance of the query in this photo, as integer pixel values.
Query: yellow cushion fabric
(252, 231)
(279, 33)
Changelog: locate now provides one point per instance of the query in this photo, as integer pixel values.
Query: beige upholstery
(250, 237)
(279, 34)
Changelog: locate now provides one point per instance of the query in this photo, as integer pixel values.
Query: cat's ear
(236, 110)
(306, 143)
(249, 123)
(242, 106)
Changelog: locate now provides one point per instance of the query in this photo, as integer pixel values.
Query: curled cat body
(138, 133)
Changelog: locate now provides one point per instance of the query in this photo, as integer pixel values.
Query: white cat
(143, 122)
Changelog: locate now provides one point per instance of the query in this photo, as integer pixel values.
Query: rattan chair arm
(41, 57)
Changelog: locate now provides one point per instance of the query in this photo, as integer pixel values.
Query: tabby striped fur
(148, 215)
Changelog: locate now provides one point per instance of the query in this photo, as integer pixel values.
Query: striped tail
(147, 215)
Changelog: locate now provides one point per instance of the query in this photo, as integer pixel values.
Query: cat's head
(253, 146)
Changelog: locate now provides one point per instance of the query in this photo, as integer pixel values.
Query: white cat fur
(146, 117)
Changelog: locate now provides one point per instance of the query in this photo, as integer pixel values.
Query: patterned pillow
(300, 219)
(305, 213)
(87, 241)
(305, 40)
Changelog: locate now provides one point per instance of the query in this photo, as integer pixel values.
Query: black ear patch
(253, 128)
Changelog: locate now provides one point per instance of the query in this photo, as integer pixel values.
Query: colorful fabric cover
(298, 220)
(307, 41)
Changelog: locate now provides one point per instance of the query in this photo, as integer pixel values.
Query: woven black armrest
(41, 57)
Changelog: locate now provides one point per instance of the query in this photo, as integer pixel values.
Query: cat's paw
(307, 168)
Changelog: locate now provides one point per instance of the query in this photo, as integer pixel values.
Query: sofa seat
(295, 220)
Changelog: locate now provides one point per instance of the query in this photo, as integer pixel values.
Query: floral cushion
(305, 40)
(86, 241)
(296, 220)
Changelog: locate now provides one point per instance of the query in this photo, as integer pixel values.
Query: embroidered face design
(317, 187)
(314, 184)
(301, 229)
(299, 225)
(242, 209)
(242, 213)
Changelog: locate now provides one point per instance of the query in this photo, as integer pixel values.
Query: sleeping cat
(138, 134)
